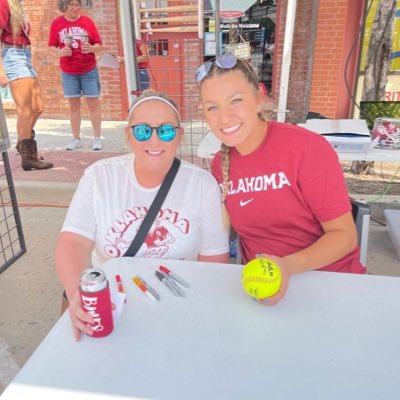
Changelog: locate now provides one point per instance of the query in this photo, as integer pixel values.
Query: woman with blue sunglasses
(114, 195)
(282, 186)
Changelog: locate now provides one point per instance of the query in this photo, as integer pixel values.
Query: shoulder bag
(153, 210)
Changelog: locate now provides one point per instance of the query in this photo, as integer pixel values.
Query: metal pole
(128, 39)
(217, 29)
(286, 60)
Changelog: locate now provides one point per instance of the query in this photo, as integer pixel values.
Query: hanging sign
(231, 14)
(241, 50)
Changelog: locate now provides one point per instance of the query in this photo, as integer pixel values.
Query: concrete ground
(30, 293)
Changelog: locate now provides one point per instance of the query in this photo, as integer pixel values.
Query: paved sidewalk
(30, 293)
(52, 136)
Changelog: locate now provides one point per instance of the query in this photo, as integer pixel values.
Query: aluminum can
(84, 38)
(96, 301)
(68, 40)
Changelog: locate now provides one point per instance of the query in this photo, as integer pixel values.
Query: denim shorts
(17, 63)
(144, 79)
(87, 84)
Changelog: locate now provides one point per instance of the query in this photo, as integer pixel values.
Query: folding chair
(361, 214)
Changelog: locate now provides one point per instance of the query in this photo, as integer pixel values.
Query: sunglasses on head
(226, 61)
(143, 132)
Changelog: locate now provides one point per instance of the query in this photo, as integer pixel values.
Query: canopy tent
(232, 5)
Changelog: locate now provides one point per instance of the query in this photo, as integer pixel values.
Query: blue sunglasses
(143, 132)
(226, 61)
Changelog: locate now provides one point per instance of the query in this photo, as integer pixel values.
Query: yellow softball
(261, 278)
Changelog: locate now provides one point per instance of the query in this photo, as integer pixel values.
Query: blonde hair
(269, 107)
(225, 161)
(267, 113)
(17, 17)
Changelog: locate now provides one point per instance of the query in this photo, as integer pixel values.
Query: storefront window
(248, 30)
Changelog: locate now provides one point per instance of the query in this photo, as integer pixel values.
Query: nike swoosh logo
(243, 203)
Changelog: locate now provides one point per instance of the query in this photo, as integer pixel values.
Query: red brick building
(323, 35)
(104, 13)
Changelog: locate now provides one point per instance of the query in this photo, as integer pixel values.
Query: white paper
(118, 299)
(108, 61)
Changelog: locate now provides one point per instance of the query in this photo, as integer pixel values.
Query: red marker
(173, 276)
(120, 286)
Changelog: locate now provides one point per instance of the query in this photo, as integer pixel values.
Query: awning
(232, 5)
(236, 5)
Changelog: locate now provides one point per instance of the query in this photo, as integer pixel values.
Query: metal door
(165, 67)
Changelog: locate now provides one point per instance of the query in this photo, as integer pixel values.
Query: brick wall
(324, 33)
(104, 15)
(329, 56)
(191, 50)
(302, 57)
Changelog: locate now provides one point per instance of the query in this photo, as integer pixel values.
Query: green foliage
(370, 110)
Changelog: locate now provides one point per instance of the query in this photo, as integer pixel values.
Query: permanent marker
(144, 289)
(177, 288)
(173, 276)
(149, 288)
(167, 283)
(120, 286)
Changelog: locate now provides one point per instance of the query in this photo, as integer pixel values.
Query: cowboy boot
(29, 156)
(18, 145)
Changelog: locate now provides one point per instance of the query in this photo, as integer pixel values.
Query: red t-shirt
(281, 192)
(6, 36)
(78, 63)
(139, 52)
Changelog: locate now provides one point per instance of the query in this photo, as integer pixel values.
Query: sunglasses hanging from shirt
(153, 210)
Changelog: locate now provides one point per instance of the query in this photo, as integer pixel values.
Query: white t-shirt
(109, 206)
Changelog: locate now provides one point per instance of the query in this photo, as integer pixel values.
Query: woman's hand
(79, 318)
(285, 275)
(65, 51)
(120, 59)
(3, 79)
(87, 48)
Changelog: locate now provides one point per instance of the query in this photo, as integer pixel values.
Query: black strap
(153, 210)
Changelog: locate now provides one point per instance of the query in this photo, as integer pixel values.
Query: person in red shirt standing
(74, 38)
(142, 60)
(143, 65)
(17, 71)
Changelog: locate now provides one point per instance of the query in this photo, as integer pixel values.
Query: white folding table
(334, 336)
